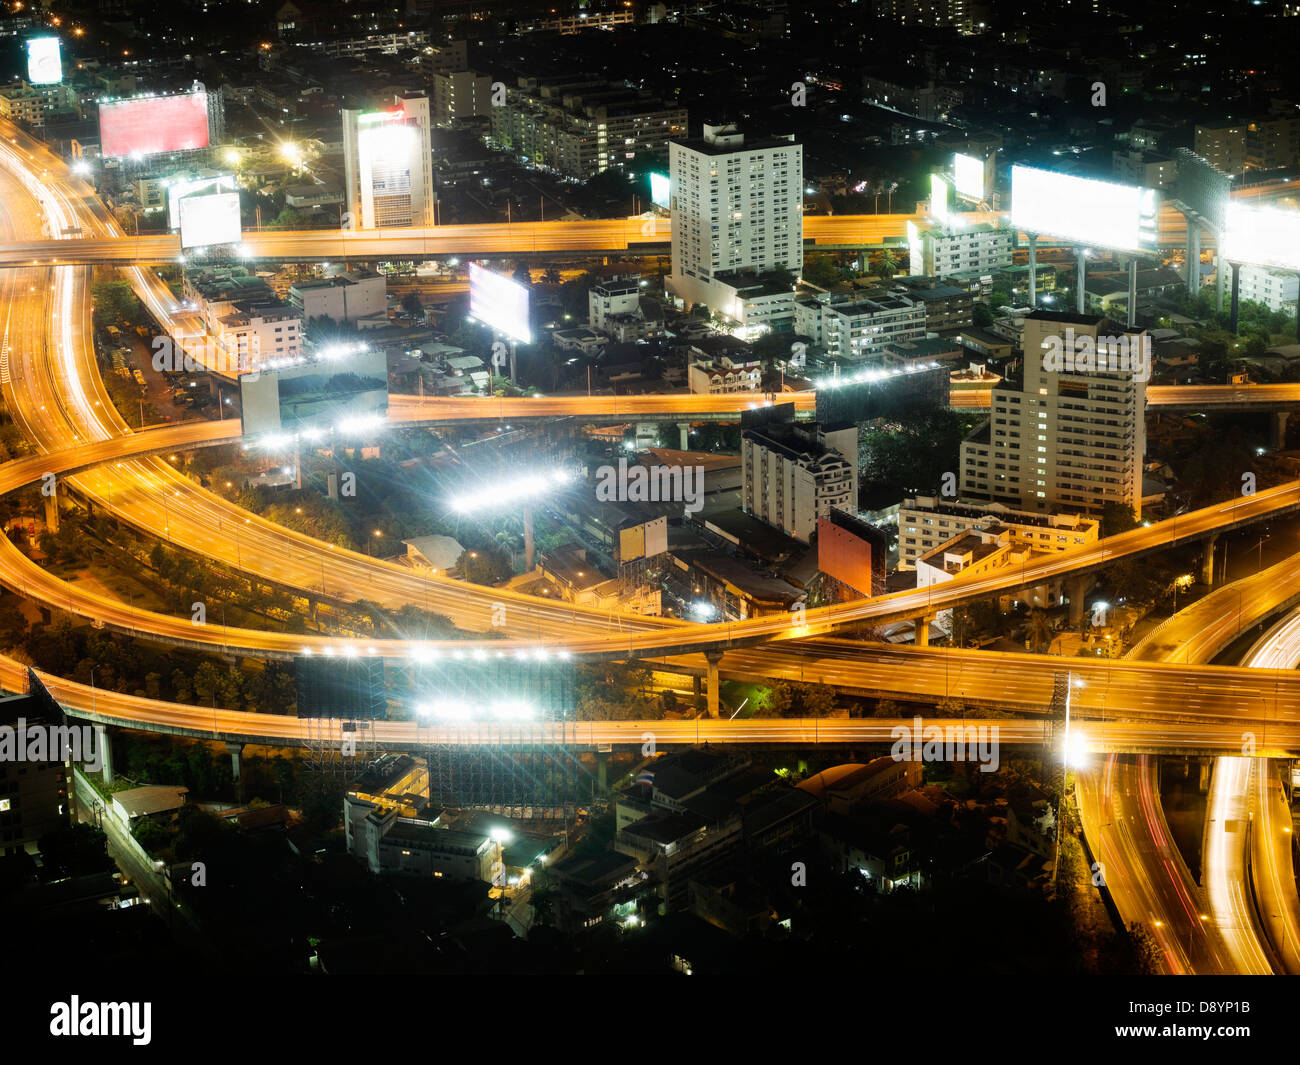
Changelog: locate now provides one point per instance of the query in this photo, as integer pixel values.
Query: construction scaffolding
(338, 749)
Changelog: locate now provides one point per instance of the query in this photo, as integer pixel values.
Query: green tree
(820, 270)
(1116, 518)
(1041, 631)
(885, 265)
(411, 304)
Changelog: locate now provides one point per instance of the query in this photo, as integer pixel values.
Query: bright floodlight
(1076, 754)
(502, 835)
(510, 492)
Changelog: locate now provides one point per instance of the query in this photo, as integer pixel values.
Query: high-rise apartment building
(737, 208)
(1267, 143)
(388, 165)
(459, 94)
(581, 127)
(1071, 434)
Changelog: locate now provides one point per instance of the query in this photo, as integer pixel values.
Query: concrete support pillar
(1132, 292)
(1077, 589)
(1207, 561)
(52, 513)
(106, 754)
(684, 428)
(236, 751)
(602, 771)
(1193, 257)
(1033, 270)
(1279, 428)
(1081, 269)
(1220, 274)
(530, 548)
(1205, 775)
(922, 628)
(713, 658)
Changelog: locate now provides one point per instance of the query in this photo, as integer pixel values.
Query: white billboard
(44, 64)
(499, 303)
(1102, 214)
(939, 194)
(210, 218)
(660, 189)
(968, 177)
(182, 187)
(1262, 236)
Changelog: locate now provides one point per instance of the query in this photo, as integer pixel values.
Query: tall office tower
(1070, 436)
(388, 165)
(737, 208)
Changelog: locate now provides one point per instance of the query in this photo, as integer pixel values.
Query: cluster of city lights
(429, 654)
(873, 376)
(330, 352)
(459, 710)
(511, 491)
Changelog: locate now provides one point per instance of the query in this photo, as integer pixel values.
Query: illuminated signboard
(499, 303)
(211, 218)
(1102, 214)
(133, 129)
(44, 63)
(659, 189)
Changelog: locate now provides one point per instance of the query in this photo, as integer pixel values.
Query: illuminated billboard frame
(44, 61)
(500, 303)
(152, 125)
(1262, 236)
(178, 190)
(316, 398)
(209, 219)
(1101, 214)
(968, 177)
(940, 194)
(660, 190)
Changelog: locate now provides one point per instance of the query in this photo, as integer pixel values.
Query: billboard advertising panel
(1098, 213)
(1262, 236)
(939, 194)
(1202, 188)
(210, 218)
(659, 189)
(315, 397)
(968, 177)
(499, 302)
(44, 64)
(182, 187)
(148, 125)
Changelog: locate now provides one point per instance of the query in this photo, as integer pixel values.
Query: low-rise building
(926, 522)
(346, 297)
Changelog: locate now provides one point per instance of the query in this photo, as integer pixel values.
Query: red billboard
(153, 124)
(845, 552)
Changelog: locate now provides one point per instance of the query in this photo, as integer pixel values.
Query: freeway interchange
(50, 381)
